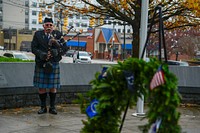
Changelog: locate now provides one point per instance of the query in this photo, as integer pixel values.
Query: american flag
(155, 126)
(158, 78)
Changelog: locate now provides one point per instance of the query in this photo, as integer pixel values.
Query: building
(78, 21)
(12, 14)
(35, 8)
(23, 15)
(100, 42)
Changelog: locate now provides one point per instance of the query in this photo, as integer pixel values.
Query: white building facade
(24, 14)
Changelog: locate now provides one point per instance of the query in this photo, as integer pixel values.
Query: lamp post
(113, 39)
(78, 42)
(124, 41)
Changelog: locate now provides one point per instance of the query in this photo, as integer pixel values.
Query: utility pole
(61, 21)
(10, 37)
(124, 49)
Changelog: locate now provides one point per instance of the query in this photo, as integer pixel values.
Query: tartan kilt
(47, 80)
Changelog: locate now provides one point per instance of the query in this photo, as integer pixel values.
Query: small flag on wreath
(130, 80)
(158, 78)
(103, 73)
(155, 126)
(91, 109)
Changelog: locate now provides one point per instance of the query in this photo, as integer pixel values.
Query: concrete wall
(21, 74)
(16, 83)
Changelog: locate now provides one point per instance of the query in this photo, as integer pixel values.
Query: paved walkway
(68, 120)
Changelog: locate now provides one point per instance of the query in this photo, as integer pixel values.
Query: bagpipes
(57, 47)
(62, 42)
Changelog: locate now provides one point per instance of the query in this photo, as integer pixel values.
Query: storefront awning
(76, 44)
(127, 46)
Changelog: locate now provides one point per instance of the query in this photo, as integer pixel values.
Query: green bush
(5, 59)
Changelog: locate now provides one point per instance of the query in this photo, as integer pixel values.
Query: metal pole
(112, 43)
(124, 41)
(61, 21)
(143, 36)
(10, 37)
(78, 42)
(78, 47)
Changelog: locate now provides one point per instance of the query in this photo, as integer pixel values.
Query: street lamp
(79, 32)
(113, 39)
(124, 41)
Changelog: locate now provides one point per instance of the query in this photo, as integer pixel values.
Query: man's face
(48, 27)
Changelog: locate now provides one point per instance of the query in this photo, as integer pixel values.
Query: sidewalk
(68, 120)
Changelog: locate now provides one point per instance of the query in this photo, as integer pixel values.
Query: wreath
(125, 82)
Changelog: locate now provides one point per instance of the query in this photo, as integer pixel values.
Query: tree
(179, 42)
(176, 13)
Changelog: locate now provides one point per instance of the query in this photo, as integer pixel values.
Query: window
(26, 12)
(109, 22)
(71, 16)
(129, 31)
(34, 13)
(84, 17)
(70, 24)
(34, 21)
(26, 21)
(27, 3)
(41, 5)
(119, 30)
(78, 17)
(84, 25)
(77, 24)
(34, 4)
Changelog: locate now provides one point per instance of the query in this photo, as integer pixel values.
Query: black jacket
(40, 46)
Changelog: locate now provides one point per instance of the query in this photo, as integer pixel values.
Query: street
(66, 59)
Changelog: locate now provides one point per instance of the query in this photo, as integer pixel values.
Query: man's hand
(48, 55)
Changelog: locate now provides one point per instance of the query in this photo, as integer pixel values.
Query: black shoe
(42, 110)
(53, 111)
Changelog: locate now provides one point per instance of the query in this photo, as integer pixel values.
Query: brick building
(98, 41)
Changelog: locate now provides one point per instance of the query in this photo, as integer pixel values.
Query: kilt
(47, 80)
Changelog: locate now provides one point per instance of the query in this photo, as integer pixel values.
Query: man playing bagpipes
(47, 45)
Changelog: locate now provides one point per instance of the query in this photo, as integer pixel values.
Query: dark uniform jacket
(40, 46)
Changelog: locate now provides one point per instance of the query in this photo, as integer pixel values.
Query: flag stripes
(158, 78)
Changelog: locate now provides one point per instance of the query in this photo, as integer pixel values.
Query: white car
(1, 48)
(17, 55)
(81, 57)
(179, 63)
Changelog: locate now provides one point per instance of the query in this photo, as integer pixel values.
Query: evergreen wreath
(112, 93)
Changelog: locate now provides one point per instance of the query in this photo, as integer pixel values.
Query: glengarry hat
(48, 20)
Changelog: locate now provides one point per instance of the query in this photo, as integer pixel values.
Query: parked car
(30, 55)
(70, 53)
(81, 57)
(18, 55)
(1, 48)
(179, 63)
